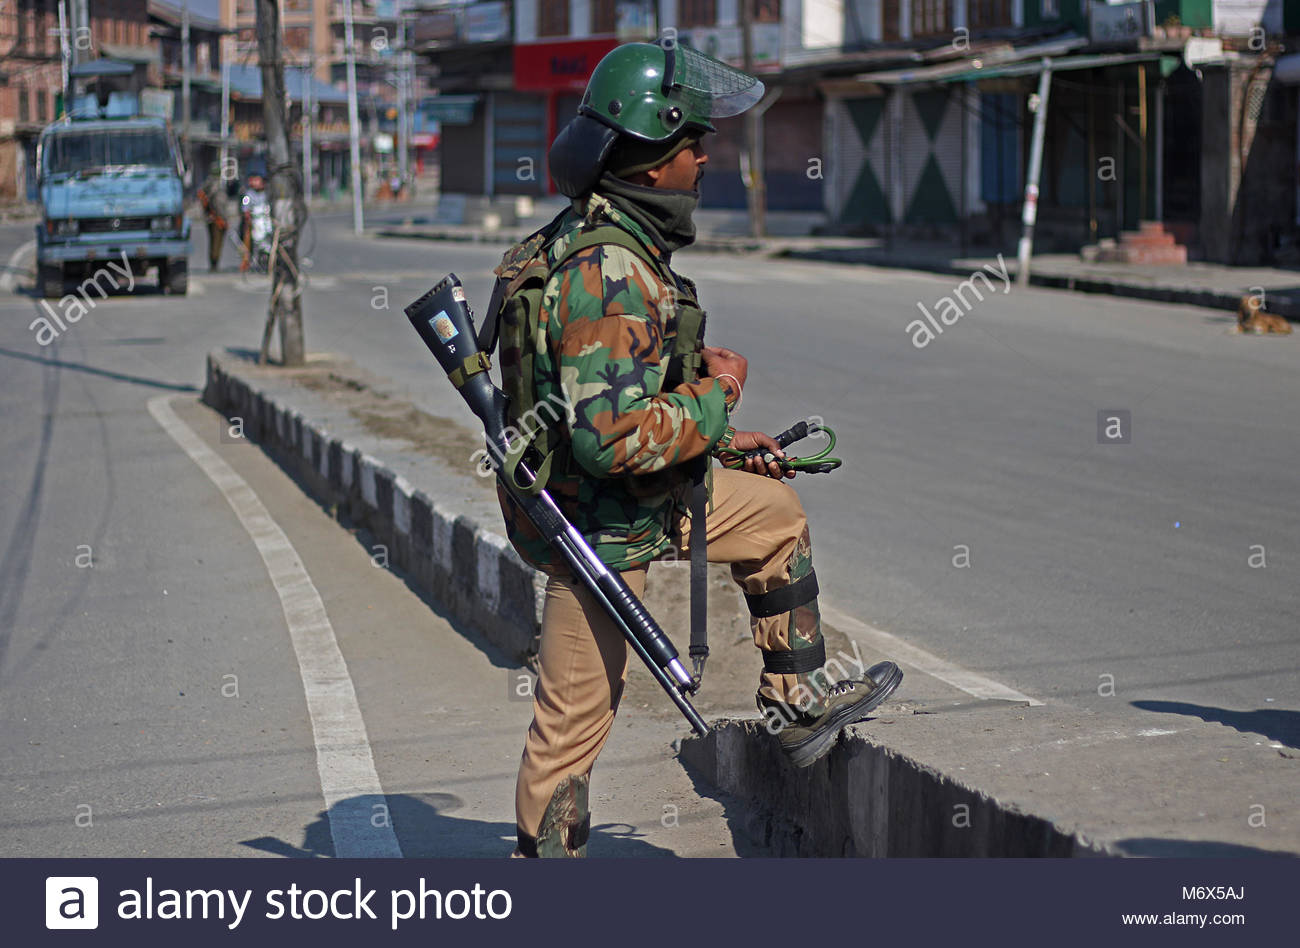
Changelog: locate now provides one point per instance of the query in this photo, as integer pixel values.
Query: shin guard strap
(796, 661)
(784, 599)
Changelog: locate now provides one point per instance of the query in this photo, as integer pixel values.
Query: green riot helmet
(651, 92)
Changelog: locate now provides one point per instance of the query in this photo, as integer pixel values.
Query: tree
(288, 210)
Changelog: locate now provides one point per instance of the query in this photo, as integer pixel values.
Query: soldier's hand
(757, 440)
(720, 361)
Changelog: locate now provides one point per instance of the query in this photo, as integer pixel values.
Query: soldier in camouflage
(609, 354)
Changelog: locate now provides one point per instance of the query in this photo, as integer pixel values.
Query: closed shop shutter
(861, 172)
(792, 135)
(927, 197)
(460, 154)
(519, 143)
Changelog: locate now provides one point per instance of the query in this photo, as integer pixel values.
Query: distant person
(214, 198)
(255, 209)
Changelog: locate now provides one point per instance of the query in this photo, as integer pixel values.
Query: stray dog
(1252, 318)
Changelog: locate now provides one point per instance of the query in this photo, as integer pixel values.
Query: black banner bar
(194, 902)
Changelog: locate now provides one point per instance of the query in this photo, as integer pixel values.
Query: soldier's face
(681, 172)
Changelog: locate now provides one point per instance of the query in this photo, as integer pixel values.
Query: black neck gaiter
(665, 215)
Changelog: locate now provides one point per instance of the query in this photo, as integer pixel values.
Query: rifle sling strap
(699, 649)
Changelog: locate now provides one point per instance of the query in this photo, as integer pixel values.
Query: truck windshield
(74, 151)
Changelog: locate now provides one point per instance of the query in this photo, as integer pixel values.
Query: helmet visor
(706, 86)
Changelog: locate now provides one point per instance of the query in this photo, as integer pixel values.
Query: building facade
(32, 53)
(1163, 126)
(510, 74)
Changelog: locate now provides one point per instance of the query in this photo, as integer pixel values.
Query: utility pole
(225, 108)
(308, 106)
(287, 209)
(186, 150)
(65, 51)
(403, 104)
(354, 123)
(1030, 214)
(757, 189)
(79, 14)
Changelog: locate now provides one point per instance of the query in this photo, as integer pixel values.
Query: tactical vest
(522, 276)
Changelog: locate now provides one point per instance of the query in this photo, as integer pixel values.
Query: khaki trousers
(755, 523)
(216, 237)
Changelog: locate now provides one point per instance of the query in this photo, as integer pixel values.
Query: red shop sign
(543, 67)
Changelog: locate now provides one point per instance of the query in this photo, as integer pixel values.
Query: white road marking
(896, 649)
(348, 779)
(9, 279)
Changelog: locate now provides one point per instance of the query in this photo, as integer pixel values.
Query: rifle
(445, 322)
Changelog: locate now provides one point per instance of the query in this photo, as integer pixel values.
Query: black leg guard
(526, 848)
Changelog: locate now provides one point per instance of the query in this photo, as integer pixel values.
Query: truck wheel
(176, 277)
(49, 280)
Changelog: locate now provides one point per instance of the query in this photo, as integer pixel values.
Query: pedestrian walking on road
(216, 206)
(617, 339)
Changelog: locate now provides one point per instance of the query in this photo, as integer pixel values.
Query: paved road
(1092, 568)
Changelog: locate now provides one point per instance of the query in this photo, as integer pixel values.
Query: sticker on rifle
(458, 294)
(444, 327)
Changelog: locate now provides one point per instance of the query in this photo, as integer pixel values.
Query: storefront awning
(100, 67)
(449, 109)
(1004, 64)
(129, 53)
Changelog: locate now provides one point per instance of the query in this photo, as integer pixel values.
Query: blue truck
(111, 189)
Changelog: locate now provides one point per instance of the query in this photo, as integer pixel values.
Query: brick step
(1150, 244)
(1152, 256)
(1133, 238)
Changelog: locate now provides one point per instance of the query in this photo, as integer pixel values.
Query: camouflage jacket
(605, 332)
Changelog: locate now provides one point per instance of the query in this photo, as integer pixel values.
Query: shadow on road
(1180, 848)
(425, 830)
(102, 373)
(745, 824)
(1274, 723)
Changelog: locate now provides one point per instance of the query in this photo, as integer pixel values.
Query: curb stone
(865, 800)
(1279, 303)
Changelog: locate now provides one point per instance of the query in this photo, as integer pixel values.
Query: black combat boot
(807, 736)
